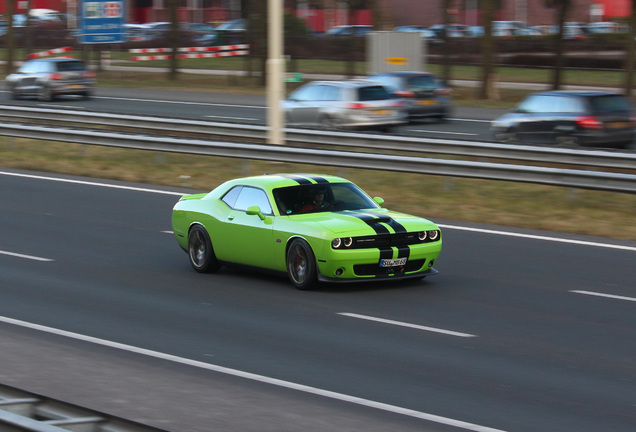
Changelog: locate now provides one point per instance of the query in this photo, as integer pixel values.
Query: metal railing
(21, 411)
(576, 178)
(366, 142)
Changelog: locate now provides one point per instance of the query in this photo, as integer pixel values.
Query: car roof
(56, 59)
(348, 83)
(404, 73)
(272, 181)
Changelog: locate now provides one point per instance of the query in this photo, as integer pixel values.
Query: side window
(536, 104)
(230, 197)
(331, 93)
(30, 67)
(250, 196)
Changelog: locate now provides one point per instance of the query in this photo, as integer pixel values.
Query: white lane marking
(254, 377)
(30, 257)
(231, 118)
(89, 183)
(441, 132)
(183, 103)
(485, 231)
(470, 120)
(537, 237)
(597, 294)
(167, 232)
(403, 324)
(62, 106)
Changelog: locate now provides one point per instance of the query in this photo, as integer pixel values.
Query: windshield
(322, 197)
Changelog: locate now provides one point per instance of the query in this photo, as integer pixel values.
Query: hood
(369, 222)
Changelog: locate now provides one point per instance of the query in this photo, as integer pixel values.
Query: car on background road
(352, 104)
(424, 94)
(349, 30)
(48, 78)
(588, 118)
(311, 227)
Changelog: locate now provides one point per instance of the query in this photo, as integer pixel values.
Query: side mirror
(256, 210)
(379, 201)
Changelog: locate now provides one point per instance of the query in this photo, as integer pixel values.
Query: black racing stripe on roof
(299, 179)
(318, 179)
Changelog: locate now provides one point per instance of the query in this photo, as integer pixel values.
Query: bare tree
(631, 51)
(173, 37)
(10, 45)
(446, 66)
(488, 90)
(563, 7)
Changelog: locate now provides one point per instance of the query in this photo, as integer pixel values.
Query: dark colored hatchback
(50, 77)
(588, 118)
(423, 93)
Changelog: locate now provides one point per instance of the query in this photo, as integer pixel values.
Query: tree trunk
(559, 54)
(631, 51)
(489, 85)
(174, 34)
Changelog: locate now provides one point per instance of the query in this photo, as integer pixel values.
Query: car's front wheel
(200, 251)
(301, 265)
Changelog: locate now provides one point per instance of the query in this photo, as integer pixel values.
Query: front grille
(376, 270)
(388, 240)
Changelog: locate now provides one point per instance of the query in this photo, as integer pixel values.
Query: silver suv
(48, 78)
(354, 104)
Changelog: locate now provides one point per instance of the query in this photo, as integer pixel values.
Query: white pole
(275, 72)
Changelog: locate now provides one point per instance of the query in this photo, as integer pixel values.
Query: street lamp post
(275, 71)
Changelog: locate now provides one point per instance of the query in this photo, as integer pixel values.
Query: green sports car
(313, 227)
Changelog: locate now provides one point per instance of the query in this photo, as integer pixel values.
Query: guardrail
(21, 411)
(608, 181)
(365, 142)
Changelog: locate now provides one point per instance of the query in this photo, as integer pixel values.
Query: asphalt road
(520, 331)
(465, 123)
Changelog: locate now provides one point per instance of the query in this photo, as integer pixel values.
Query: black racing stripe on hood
(397, 227)
(299, 179)
(372, 221)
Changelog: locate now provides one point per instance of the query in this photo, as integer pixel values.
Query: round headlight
(348, 242)
(335, 243)
(421, 235)
(433, 235)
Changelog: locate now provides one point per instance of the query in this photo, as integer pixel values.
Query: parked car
(202, 33)
(274, 222)
(354, 104)
(349, 30)
(424, 94)
(51, 77)
(589, 118)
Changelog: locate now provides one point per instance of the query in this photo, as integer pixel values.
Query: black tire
(200, 251)
(301, 265)
(328, 123)
(45, 94)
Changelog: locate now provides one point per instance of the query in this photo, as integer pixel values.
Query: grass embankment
(493, 202)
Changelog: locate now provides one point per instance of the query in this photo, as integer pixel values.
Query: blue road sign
(102, 21)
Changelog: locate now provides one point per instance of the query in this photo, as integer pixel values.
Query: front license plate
(427, 102)
(76, 86)
(392, 262)
(381, 112)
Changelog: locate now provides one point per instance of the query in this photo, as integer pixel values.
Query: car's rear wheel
(45, 94)
(301, 265)
(200, 251)
(328, 123)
